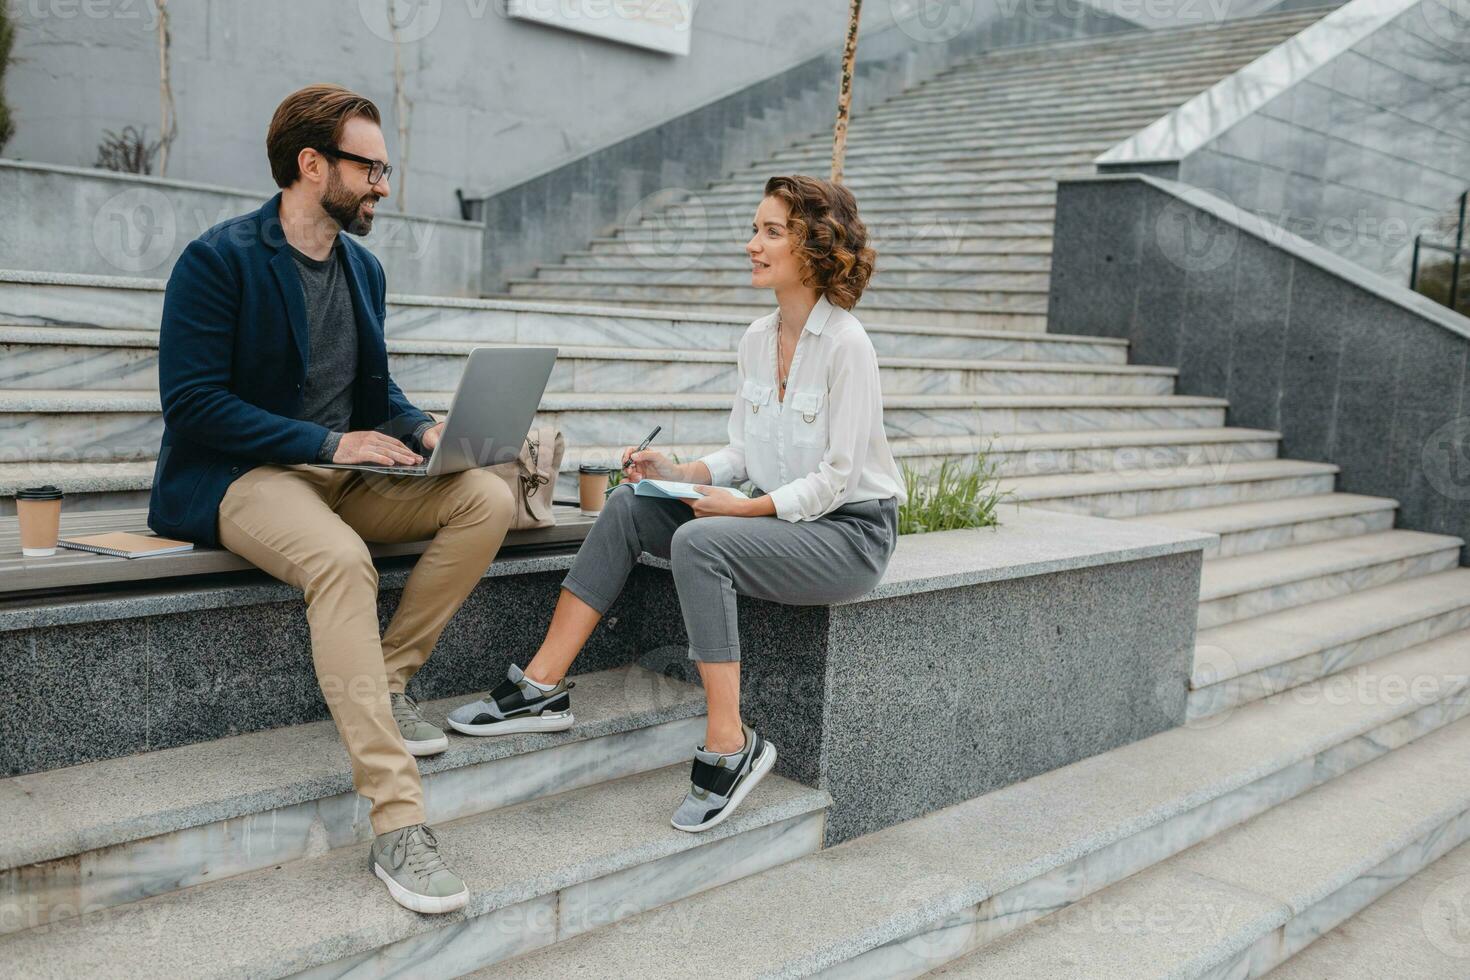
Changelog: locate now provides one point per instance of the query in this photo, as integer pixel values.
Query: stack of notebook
(124, 544)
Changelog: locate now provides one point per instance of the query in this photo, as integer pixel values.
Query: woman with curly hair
(807, 430)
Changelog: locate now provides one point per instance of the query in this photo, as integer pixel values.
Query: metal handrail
(1458, 251)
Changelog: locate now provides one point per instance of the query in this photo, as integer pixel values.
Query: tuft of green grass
(1434, 282)
(957, 495)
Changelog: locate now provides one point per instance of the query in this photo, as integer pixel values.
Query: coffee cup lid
(592, 468)
(47, 492)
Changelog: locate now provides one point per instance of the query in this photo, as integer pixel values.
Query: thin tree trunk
(168, 120)
(401, 110)
(844, 93)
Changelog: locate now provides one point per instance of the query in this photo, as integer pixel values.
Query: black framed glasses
(377, 169)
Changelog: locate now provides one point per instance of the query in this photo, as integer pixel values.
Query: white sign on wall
(661, 25)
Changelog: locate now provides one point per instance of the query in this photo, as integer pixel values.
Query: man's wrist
(328, 449)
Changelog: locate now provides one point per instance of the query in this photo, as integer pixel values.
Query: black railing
(1457, 252)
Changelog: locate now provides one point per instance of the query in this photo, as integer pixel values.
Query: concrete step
(1150, 490)
(878, 200)
(1240, 904)
(920, 249)
(48, 357)
(694, 215)
(975, 120)
(538, 871)
(1124, 84)
(1123, 81)
(739, 203)
(1037, 154)
(1261, 525)
(1157, 59)
(1146, 43)
(1233, 589)
(896, 267)
(738, 278)
(999, 319)
(205, 812)
(1265, 655)
(63, 426)
(1415, 932)
(1099, 124)
(908, 898)
(1028, 297)
(944, 113)
(107, 302)
(104, 484)
(732, 234)
(963, 168)
(1142, 46)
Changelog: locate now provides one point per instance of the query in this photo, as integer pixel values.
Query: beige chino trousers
(309, 526)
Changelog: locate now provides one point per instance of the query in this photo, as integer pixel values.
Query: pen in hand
(641, 446)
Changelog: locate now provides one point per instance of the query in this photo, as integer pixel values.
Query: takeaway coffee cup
(39, 513)
(592, 483)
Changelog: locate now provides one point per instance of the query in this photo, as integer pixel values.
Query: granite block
(1351, 368)
(67, 695)
(256, 672)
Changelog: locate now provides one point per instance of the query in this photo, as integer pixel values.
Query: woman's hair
(828, 236)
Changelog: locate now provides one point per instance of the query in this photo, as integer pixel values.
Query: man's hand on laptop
(377, 449)
(430, 438)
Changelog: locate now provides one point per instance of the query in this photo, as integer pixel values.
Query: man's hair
(312, 117)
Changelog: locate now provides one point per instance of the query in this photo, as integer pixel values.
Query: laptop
(490, 414)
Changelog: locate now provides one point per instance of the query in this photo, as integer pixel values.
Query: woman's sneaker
(407, 861)
(516, 705)
(719, 782)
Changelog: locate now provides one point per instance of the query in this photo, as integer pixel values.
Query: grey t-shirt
(331, 372)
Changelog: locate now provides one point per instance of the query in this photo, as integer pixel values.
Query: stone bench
(984, 657)
(81, 570)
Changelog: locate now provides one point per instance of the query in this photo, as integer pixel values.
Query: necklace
(780, 371)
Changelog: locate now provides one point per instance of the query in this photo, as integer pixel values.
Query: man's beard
(346, 207)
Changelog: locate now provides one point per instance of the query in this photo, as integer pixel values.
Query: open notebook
(673, 490)
(124, 544)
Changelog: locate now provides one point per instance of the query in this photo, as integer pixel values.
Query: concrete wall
(1357, 155)
(1349, 368)
(72, 220)
(494, 100)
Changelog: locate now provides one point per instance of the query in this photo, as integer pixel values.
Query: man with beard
(271, 359)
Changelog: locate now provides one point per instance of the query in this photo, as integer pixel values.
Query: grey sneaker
(719, 782)
(516, 706)
(408, 862)
(419, 737)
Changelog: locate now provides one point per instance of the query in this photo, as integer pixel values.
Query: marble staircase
(955, 178)
(244, 856)
(1240, 823)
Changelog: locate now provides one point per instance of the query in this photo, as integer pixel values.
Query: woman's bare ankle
(723, 743)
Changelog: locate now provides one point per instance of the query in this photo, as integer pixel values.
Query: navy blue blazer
(232, 360)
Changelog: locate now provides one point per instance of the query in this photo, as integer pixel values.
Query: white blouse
(825, 445)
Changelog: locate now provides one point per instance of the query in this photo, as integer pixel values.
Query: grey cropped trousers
(839, 556)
